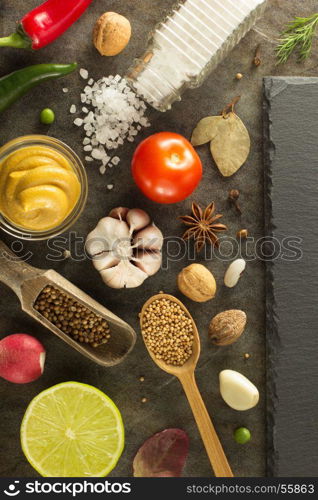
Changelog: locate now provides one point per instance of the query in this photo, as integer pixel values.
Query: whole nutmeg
(111, 34)
(197, 283)
(227, 327)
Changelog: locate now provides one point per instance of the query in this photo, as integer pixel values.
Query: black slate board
(291, 171)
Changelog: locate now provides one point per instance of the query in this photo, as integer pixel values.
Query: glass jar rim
(20, 142)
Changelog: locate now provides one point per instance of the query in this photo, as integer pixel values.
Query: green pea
(242, 435)
(47, 116)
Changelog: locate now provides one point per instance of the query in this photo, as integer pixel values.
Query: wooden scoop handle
(209, 436)
(14, 271)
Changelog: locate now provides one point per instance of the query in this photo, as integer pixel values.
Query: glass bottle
(188, 45)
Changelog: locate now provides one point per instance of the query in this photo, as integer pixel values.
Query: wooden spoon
(185, 374)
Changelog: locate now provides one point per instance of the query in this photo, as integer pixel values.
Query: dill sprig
(298, 35)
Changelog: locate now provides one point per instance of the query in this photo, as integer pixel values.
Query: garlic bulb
(125, 247)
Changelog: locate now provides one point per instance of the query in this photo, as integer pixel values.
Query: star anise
(203, 226)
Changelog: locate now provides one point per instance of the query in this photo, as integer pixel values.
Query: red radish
(22, 358)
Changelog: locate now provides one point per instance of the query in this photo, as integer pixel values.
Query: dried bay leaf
(206, 130)
(231, 146)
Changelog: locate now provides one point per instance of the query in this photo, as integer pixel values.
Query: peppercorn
(168, 332)
(60, 310)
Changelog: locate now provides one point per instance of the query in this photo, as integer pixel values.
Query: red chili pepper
(45, 23)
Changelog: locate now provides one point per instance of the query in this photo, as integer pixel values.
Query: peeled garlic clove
(124, 275)
(105, 260)
(149, 262)
(137, 219)
(237, 391)
(119, 213)
(150, 238)
(234, 272)
(105, 235)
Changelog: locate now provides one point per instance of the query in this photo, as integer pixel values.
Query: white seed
(65, 90)
(110, 186)
(73, 109)
(234, 272)
(84, 73)
(237, 390)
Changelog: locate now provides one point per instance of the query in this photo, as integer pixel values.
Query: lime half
(72, 430)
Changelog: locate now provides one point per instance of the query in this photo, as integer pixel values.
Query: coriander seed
(168, 331)
(71, 317)
(242, 234)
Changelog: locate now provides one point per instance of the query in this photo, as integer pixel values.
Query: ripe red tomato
(166, 167)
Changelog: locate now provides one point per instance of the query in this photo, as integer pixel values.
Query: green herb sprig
(298, 35)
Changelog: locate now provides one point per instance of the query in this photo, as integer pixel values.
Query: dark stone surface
(121, 383)
(291, 172)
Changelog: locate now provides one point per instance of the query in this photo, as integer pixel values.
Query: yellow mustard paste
(38, 188)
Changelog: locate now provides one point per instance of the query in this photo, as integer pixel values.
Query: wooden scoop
(185, 374)
(27, 282)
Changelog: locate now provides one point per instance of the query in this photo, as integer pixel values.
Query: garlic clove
(149, 262)
(150, 238)
(106, 235)
(238, 391)
(234, 272)
(105, 260)
(124, 275)
(137, 219)
(119, 213)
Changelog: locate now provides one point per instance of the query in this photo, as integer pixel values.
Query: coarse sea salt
(78, 122)
(113, 114)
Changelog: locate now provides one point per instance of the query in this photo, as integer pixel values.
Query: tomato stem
(175, 158)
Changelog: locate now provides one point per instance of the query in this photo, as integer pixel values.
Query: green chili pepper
(18, 83)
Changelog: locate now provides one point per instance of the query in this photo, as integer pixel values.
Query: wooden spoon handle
(209, 436)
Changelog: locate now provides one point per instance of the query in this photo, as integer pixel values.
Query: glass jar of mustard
(43, 187)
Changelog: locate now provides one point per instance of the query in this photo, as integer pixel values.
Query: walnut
(111, 34)
(227, 327)
(197, 283)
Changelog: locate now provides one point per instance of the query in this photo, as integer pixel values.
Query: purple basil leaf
(162, 455)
